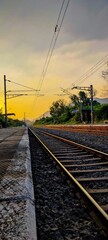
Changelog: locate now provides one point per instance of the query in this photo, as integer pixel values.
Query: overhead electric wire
(91, 71)
(44, 67)
(53, 42)
(51, 48)
(60, 11)
(20, 90)
(22, 85)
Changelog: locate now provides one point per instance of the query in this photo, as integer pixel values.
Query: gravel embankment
(60, 215)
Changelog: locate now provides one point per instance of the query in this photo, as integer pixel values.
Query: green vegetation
(101, 112)
(2, 119)
(10, 122)
(79, 111)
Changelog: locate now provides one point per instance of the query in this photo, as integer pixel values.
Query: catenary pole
(5, 101)
(91, 94)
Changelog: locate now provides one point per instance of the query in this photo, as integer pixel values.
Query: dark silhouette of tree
(75, 100)
(81, 98)
(57, 109)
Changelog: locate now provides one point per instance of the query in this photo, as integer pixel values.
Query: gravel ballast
(60, 214)
(94, 141)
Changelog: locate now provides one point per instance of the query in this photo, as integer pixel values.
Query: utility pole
(5, 101)
(81, 110)
(17, 94)
(91, 94)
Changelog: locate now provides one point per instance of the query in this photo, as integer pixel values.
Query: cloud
(30, 24)
(26, 29)
(27, 23)
(86, 20)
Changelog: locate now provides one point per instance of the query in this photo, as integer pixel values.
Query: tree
(75, 100)
(96, 103)
(11, 122)
(57, 109)
(81, 98)
(102, 112)
(2, 120)
(81, 102)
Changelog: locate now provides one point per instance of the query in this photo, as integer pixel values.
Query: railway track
(86, 168)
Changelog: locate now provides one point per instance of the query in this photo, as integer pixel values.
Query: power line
(20, 90)
(12, 95)
(44, 67)
(91, 71)
(95, 70)
(22, 85)
(60, 12)
(53, 42)
(52, 45)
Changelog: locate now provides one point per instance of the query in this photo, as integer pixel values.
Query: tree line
(76, 112)
(10, 123)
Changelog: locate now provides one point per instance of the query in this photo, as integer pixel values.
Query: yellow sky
(66, 66)
(26, 31)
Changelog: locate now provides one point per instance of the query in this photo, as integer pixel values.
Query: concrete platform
(17, 209)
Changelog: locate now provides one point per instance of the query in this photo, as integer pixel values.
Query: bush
(101, 112)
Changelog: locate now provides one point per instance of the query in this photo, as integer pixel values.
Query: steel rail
(99, 212)
(80, 146)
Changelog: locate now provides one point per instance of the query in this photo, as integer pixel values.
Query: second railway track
(88, 169)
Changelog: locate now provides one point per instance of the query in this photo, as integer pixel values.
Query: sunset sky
(26, 30)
